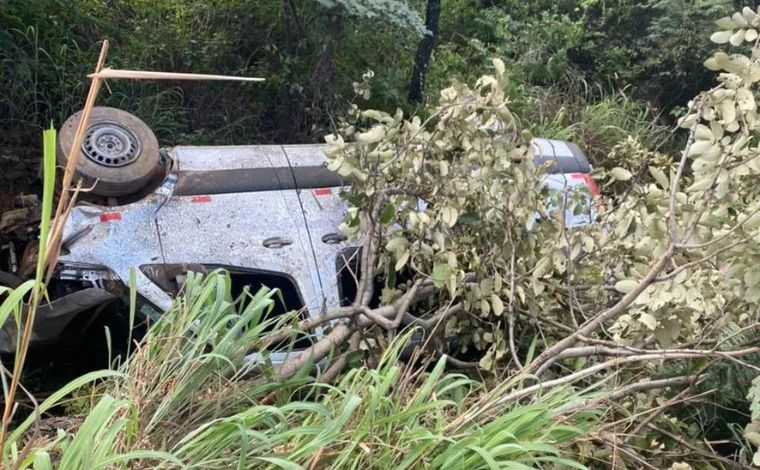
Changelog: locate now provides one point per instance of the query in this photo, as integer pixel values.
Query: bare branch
(721, 237)
(342, 331)
(704, 259)
(632, 389)
(340, 363)
(672, 223)
(511, 312)
(337, 337)
(309, 324)
(567, 379)
(585, 351)
(431, 323)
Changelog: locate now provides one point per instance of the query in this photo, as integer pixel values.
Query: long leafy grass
(596, 120)
(188, 398)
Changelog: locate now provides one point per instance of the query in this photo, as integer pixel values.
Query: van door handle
(333, 238)
(277, 242)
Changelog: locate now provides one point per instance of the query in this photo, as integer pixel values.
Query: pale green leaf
(402, 260)
(748, 14)
(721, 37)
(375, 134)
(497, 305)
(449, 216)
(660, 177)
(648, 320)
(725, 23)
(499, 65)
(625, 286)
(737, 38)
(621, 174)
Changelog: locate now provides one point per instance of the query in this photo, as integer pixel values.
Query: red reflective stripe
(322, 192)
(201, 199)
(110, 216)
(592, 186)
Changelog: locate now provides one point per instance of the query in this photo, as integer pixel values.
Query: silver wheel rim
(110, 144)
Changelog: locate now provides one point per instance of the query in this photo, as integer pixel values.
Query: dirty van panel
(261, 228)
(114, 239)
(323, 210)
(560, 156)
(232, 169)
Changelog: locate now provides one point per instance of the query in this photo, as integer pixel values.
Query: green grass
(187, 398)
(596, 121)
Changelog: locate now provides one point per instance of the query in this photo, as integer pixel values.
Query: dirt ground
(19, 171)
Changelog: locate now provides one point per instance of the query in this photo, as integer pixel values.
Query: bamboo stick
(150, 75)
(53, 246)
(66, 200)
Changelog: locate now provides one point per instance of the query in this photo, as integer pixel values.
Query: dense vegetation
(593, 347)
(563, 55)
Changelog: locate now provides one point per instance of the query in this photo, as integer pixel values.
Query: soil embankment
(20, 156)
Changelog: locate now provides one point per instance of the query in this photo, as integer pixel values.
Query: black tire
(119, 154)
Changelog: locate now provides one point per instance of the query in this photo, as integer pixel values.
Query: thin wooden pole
(67, 198)
(149, 75)
(53, 247)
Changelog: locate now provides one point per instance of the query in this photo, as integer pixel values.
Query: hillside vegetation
(628, 343)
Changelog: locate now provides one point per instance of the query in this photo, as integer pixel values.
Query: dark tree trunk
(424, 51)
(324, 70)
(293, 24)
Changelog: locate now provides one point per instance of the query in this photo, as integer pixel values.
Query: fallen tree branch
(340, 363)
(308, 324)
(631, 389)
(316, 352)
(340, 334)
(585, 351)
(570, 378)
(403, 306)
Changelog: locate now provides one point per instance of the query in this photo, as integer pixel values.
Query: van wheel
(119, 153)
